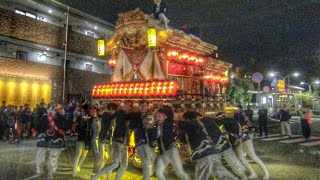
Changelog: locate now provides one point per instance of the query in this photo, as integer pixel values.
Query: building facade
(32, 51)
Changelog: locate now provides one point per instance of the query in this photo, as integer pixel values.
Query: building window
(91, 34)
(22, 55)
(20, 12)
(24, 13)
(88, 67)
(41, 18)
(31, 15)
(68, 64)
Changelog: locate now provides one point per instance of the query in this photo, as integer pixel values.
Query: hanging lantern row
(161, 88)
(216, 78)
(185, 57)
(112, 62)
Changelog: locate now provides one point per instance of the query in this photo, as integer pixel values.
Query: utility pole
(65, 57)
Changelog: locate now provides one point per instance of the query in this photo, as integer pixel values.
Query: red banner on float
(148, 89)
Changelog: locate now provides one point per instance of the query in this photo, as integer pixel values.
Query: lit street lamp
(316, 82)
(276, 74)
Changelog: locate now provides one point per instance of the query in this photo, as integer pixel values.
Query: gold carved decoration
(136, 56)
(131, 17)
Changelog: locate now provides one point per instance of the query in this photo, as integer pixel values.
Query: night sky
(282, 35)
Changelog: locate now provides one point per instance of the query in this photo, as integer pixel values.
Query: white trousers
(120, 161)
(147, 156)
(285, 128)
(102, 157)
(247, 147)
(235, 164)
(170, 156)
(41, 155)
(52, 163)
(80, 156)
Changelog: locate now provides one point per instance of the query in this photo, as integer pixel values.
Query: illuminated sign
(152, 37)
(281, 85)
(101, 47)
(147, 89)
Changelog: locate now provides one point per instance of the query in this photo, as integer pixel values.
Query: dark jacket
(164, 133)
(218, 138)
(59, 120)
(48, 136)
(85, 131)
(246, 125)
(162, 9)
(284, 115)
(105, 134)
(199, 140)
(232, 128)
(249, 114)
(140, 133)
(121, 130)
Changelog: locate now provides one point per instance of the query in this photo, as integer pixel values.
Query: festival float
(155, 63)
(152, 62)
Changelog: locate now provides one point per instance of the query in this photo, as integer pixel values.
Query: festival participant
(142, 137)
(26, 120)
(246, 146)
(51, 138)
(159, 10)
(222, 143)
(83, 144)
(76, 120)
(304, 113)
(204, 151)
(119, 143)
(96, 128)
(284, 120)
(167, 145)
(105, 136)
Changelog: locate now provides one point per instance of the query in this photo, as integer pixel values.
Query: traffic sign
(266, 89)
(257, 77)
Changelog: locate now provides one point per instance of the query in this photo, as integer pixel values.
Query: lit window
(20, 12)
(41, 18)
(31, 15)
(88, 67)
(91, 34)
(41, 57)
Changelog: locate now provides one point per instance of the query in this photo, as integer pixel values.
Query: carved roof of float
(131, 30)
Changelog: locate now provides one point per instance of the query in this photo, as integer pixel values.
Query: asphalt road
(284, 161)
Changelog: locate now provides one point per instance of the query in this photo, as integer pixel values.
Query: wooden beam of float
(146, 89)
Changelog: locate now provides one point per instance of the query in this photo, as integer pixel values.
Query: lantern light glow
(161, 88)
(112, 62)
(152, 37)
(101, 47)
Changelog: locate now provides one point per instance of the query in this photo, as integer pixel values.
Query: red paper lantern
(199, 61)
(216, 78)
(172, 54)
(112, 62)
(224, 80)
(192, 59)
(183, 57)
(136, 89)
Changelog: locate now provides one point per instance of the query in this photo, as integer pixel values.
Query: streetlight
(276, 74)
(316, 82)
